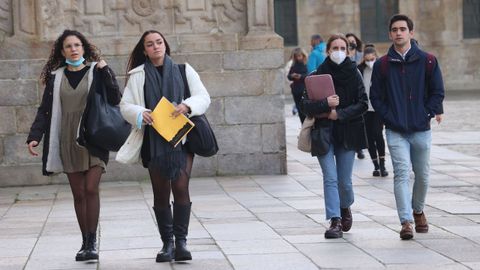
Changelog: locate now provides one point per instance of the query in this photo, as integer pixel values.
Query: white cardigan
(133, 104)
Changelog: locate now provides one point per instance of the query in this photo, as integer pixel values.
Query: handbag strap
(187, 93)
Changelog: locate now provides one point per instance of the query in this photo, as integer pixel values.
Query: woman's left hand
(333, 115)
(180, 109)
(101, 64)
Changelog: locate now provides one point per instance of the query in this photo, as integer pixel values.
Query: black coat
(349, 129)
(104, 77)
(297, 86)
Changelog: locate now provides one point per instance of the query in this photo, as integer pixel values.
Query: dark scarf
(169, 161)
(343, 76)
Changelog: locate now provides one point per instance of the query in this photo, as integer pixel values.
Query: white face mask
(369, 63)
(338, 56)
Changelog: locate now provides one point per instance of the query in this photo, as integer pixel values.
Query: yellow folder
(172, 129)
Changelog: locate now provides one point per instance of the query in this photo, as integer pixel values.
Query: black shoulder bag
(105, 126)
(201, 139)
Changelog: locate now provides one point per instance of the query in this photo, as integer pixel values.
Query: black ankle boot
(81, 253)
(335, 230)
(376, 171)
(91, 249)
(165, 227)
(181, 219)
(383, 170)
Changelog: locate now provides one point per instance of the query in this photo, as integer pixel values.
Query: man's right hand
(31, 145)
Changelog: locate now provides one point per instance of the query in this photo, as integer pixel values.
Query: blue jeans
(405, 150)
(337, 166)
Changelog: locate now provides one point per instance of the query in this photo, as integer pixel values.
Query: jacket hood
(320, 47)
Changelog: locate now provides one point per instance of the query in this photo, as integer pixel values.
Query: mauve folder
(319, 87)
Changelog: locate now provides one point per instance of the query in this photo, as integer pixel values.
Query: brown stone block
(25, 117)
(16, 151)
(261, 41)
(9, 69)
(201, 61)
(238, 83)
(203, 166)
(254, 110)
(275, 82)
(239, 139)
(242, 164)
(273, 138)
(18, 92)
(7, 120)
(27, 175)
(215, 112)
(206, 43)
(258, 59)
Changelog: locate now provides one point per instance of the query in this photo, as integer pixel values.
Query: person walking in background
(68, 76)
(406, 99)
(297, 74)
(151, 75)
(317, 56)
(355, 48)
(340, 135)
(373, 123)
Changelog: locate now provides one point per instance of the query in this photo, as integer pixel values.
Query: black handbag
(105, 127)
(201, 139)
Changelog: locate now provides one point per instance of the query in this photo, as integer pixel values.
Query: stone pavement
(264, 222)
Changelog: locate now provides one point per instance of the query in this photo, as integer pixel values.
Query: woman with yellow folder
(152, 74)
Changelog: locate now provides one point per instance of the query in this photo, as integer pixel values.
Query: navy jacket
(400, 96)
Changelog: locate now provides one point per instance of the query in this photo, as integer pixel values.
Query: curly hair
(56, 59)
(138, 57)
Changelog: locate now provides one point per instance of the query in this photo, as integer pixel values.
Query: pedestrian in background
(317, 55)
(339, 135)
(68, 76)
(373, 123)
(407, 99)
(297, 74)
(151, 75)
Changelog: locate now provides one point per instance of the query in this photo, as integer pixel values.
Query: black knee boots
(383, 170)
(165, 227)
(81, 253)
(91, 249)
(376, 171)
(181, 219)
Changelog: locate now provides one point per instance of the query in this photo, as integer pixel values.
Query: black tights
(86, 198)
(374, 127)
(179, 187)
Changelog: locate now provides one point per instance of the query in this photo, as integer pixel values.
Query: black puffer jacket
(349, 129)
(41, 125)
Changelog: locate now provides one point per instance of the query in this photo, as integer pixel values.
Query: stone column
(260, 21)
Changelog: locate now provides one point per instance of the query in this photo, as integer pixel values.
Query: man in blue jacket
(407, 92)
(317, 56)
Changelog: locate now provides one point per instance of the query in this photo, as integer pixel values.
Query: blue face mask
(75, 63)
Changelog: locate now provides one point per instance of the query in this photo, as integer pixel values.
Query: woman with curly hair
(68, 75)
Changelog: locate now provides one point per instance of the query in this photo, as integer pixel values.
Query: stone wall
(438, 28)
(230, 43)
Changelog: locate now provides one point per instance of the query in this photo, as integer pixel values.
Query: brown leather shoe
(407, 231)
(347, 219)
(421, 224)
(335, 230)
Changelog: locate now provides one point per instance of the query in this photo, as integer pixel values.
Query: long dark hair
(357, 40)
(56, 59)
(138, 57)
